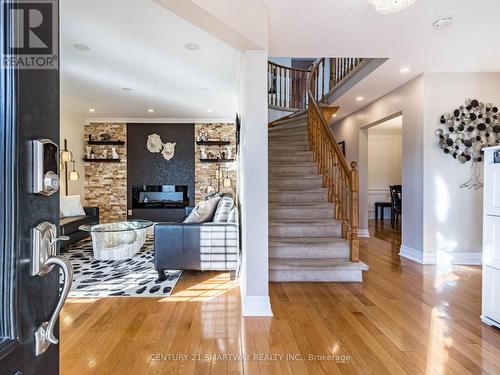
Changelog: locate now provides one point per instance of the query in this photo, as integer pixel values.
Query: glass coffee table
(119, 240)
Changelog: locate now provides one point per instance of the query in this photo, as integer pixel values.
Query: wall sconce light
(227, 182)
(65, 154)
(74, 175)
(66, 157)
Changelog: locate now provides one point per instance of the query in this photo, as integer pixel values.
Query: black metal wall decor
(466, 131)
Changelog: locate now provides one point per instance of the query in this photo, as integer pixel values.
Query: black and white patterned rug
(134, 277)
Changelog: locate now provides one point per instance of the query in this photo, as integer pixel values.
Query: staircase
(312, 197)
(305, 240)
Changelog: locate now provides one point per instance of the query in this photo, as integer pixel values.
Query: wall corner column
(254, 185)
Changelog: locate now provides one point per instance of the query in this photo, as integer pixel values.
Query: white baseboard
(467, 259)
(489, 321)
(411, 254)
(463, 258)
(363, 233)
(256, 306)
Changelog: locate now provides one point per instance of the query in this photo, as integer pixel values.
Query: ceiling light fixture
(91, 110)
(126, 89)
(442, 22)
(192, 46)
(359, 98)
(391, 6)
(151, 110)
(404, 69)
(81, 47)
(209, 110)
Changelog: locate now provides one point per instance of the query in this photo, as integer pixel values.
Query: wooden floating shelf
(101, 160)
(118, 143)
(213, 143)
(216, 160)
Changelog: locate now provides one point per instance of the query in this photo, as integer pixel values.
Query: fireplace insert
(160, 196)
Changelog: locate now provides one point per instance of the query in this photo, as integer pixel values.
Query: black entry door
(29, 111)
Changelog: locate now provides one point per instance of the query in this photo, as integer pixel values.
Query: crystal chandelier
(390, 6)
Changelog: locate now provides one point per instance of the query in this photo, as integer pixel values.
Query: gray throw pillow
(233, 216)
(224, 206)
(203, 212)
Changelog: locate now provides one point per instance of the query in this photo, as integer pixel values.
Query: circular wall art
(466, 131)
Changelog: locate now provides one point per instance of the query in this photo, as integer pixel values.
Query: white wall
(408, 101)
(253, 181)
(384, 167)
(71, 128)
(453, 216)
(442, 223)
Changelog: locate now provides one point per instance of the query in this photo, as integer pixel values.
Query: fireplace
(160, 196)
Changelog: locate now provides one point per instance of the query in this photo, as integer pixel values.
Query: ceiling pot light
(442, 22)
(209, 110)
(81, 47)
(151, 110)
(192, 46)
(91, 110)
(391, 6)
(359, 98)
(404, 69)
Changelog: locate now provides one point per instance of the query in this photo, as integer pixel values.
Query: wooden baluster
(269, 84)
(287, 102)
(276, 78)
(323, 79)
(303, 90)
(295, 89)
(282, 87)
(278, 94)
(332, 74)
(354, 213)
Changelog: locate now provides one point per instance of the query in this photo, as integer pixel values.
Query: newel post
(354, 241)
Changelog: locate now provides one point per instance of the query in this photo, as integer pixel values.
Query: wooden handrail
(341, 180)
(287, 67)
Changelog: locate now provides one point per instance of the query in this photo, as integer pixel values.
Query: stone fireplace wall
(106, 183)
(205, 172)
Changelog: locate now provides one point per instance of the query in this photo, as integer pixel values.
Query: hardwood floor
(382, 230)
(404, 319)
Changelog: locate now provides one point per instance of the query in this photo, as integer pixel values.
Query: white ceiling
(392, 126)
(352, 28)
(139, 44)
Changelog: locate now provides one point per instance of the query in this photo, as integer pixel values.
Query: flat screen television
(160, 196)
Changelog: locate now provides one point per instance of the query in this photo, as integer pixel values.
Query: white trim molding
(363, 233)
(157, 120)
(256, 306)
(456, 258)
(411, 254)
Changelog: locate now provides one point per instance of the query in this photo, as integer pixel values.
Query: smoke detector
(443, 22)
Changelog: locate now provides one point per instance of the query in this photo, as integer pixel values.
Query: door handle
(43, 260)
(68, 280)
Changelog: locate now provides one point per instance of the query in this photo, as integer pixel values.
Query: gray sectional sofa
(200, 246)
